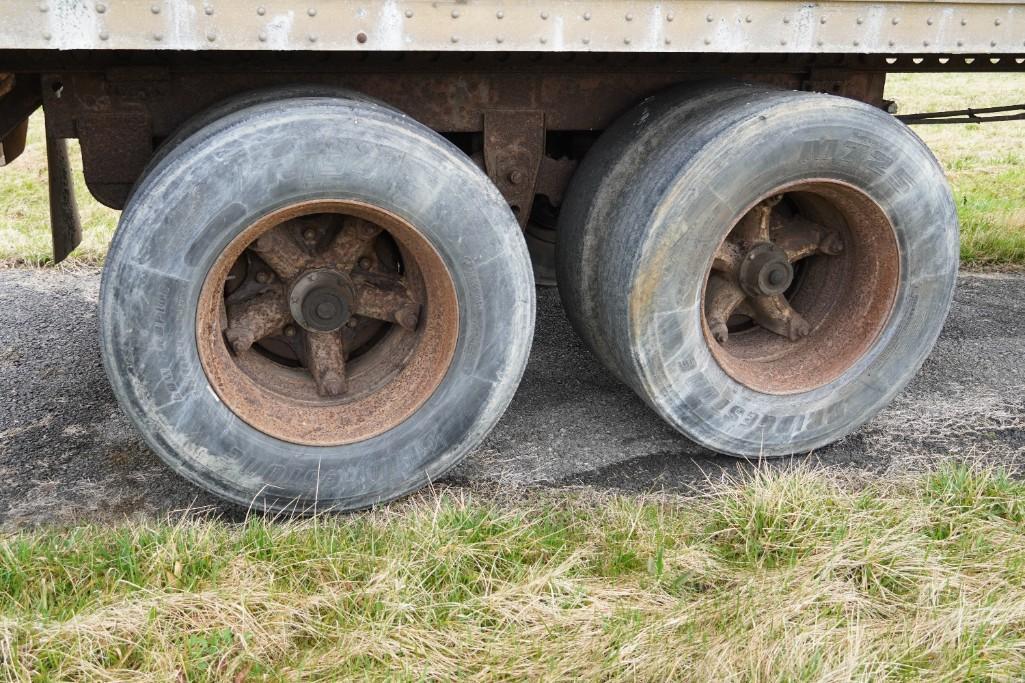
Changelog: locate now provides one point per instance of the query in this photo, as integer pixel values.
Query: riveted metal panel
(751, 26)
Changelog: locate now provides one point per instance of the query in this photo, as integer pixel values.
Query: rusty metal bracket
(514, 142)
(65, 226)
(21, 95)
(13, 144)
(859, 85)
(116, 147)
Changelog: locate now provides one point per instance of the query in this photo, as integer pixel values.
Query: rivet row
(212, 36)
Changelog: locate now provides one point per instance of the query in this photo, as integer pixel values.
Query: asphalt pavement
(69, 455)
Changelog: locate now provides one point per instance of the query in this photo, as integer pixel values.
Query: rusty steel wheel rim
(801, 287)
(327, 322)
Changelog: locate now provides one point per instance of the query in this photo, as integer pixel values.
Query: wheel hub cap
(322, 300)
(766, 271)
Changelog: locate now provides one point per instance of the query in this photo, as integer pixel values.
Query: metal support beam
(65, 226)
(514, 142)
(20, 96)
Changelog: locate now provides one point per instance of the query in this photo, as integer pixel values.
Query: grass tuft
(784, 576)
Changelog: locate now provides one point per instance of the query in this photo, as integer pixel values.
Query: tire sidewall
(837, 140)
(245, 100)
(251, 163)
(588, 217)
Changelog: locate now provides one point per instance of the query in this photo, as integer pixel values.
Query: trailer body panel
(689, 26)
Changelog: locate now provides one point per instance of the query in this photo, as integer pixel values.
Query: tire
(273, 159)
(237, 103)
(644, 234)
(584, 221)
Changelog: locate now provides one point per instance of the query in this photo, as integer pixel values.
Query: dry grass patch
(25, 214)
(782, 577)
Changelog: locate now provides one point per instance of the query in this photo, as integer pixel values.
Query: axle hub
(321, 300)
(754, 267)
(766, 270)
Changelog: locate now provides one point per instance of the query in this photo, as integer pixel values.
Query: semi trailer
(321, 290)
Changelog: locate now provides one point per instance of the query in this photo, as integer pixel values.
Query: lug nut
(364, 263)
(240, 341)
(719, 331)
(263, 277)
(333, 383)
(289, 330)
(352, 323)
(310, 235)
(408, 316)
(832, 245)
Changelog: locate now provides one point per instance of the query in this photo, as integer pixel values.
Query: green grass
(781, 577)
(984, 163)
(24, 212)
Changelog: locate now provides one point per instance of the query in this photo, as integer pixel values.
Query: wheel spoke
(325, 359)
(801, 238)
(721, 300)
(754, 226)
(744, 309)
(352, 241)
(391, 304)
(256, 318)
(775, 314)
(281, 253)
(728, 257)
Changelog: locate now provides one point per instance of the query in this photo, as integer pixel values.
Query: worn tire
(585, 220)
(659, 192)
(244, 165)
(236, 103)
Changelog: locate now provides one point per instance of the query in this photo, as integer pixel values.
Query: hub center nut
(766, 270)
(322, 300)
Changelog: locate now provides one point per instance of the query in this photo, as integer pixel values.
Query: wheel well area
(527, 119)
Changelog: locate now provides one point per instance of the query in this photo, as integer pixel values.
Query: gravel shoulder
(68, 454)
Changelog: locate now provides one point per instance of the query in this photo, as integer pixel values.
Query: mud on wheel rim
(801, 287)
(327, 322)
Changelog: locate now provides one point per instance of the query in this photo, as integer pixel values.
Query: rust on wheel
(801, 287)
(327, 322)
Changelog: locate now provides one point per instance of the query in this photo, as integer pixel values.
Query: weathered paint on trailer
(748, 26)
